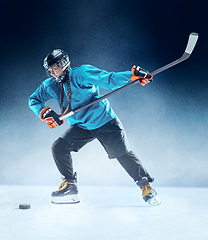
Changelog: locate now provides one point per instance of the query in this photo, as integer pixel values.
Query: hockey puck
(24, 206)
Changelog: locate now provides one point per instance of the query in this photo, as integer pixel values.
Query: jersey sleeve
(40, 97)
(104, 79)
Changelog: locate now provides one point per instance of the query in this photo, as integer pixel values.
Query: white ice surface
(104, 213)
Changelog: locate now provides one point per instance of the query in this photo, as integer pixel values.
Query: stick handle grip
(67, 115)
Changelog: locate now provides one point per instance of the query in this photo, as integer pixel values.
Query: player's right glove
(142, 74)
(50, 117)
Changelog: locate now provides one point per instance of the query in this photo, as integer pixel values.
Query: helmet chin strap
(60, 78)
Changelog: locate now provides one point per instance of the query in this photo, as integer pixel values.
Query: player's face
(56, 71)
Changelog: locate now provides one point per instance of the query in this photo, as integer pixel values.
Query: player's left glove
(50, 117)
(142, 74)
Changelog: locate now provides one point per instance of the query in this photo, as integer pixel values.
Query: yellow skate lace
(146, 190)
(64, 184)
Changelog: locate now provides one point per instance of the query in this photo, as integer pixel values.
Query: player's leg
(113, 138)
(72, 140)
(133, 167)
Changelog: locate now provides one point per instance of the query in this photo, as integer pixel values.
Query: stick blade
(193, 37)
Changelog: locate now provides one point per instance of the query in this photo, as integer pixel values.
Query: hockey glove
(139, 73)
(50, 117)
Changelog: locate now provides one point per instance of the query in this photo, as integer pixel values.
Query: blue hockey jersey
(85, 82)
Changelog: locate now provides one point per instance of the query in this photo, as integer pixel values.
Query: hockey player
(73, 88)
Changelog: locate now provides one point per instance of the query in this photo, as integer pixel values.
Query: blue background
(165, 121)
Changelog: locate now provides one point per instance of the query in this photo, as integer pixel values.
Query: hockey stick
(193, 37)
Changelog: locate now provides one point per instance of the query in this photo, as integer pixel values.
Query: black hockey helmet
(57, 56)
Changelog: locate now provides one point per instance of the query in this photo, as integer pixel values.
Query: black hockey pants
(112, 137)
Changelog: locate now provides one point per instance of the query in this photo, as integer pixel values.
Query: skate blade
(154, 201)
(68, 199)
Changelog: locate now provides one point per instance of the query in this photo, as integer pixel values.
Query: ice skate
(66, 194)
(148, 193)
